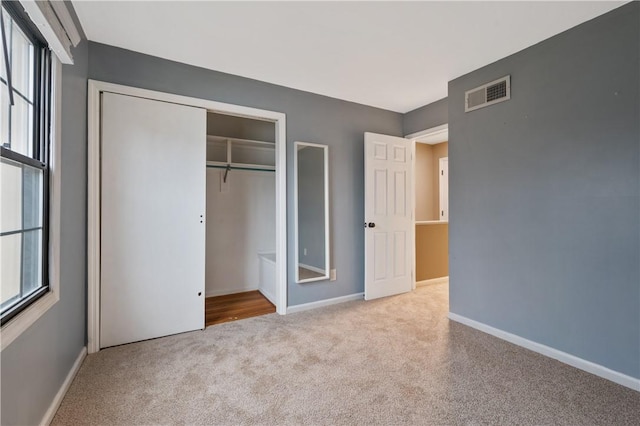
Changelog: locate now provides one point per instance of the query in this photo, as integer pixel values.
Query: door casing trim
(436, 133)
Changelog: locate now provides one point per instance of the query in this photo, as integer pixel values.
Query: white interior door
(153, 158)
(444, 188)
(388, 218)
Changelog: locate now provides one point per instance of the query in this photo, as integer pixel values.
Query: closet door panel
(152, 227)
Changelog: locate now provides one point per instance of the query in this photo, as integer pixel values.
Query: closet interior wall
(241, 211)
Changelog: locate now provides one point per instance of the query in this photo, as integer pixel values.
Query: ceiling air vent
(488, 94)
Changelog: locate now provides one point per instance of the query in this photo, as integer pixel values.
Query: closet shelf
(238, 141)
(244, 154)
(431, 222)
(239, 166)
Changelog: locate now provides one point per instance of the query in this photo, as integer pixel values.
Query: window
(25, 81)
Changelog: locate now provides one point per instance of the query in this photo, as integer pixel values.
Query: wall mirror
(311, 192)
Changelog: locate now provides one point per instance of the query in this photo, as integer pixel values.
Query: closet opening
(161, 257)
(240, 273)
(431, 206)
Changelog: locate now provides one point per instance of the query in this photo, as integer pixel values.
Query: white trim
(62, 12)
(55, 176)
(214, 138)
(326, 272)
(412, 236)
(281, 211)
(57, 400)
(325, 302)
(43, 16)
(25, 319)
(248, 167)
(441, 280)
(93, 218)
(431, 136)
(443, 193)
(438, 130)
(14, 328)
(572, 360)
(93, 196)
(312, 268)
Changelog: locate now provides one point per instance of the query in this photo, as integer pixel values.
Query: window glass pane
(31, 197)
(22, 187)
(4, 114)
(31, 261)
(21, 63)
(10, 251)
(10, 195)
(21, 127)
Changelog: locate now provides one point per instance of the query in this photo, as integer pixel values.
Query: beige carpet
(393, 361)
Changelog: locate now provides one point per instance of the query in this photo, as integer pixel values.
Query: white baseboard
(55, 404)
(572, 360)
(224, 292)
(326, 302)
(440, 280)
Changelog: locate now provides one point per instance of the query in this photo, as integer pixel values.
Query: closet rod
(251, 169)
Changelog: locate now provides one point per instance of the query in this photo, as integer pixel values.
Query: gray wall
(544, 194)
(311, 218)
(310, 118)
(544, 200)
(36, 364)
(426, 117)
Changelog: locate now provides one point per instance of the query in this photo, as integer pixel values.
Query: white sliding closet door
(152, 219)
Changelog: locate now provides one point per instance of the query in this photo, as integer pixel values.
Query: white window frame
(25, 319)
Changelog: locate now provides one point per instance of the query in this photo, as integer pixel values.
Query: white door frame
(95, 88)
(441, 191)
(432, 135)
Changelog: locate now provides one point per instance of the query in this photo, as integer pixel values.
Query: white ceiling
(392, 55)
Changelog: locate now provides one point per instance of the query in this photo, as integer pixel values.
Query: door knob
(371, 225)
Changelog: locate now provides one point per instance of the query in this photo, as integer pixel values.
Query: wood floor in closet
(233, 307)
